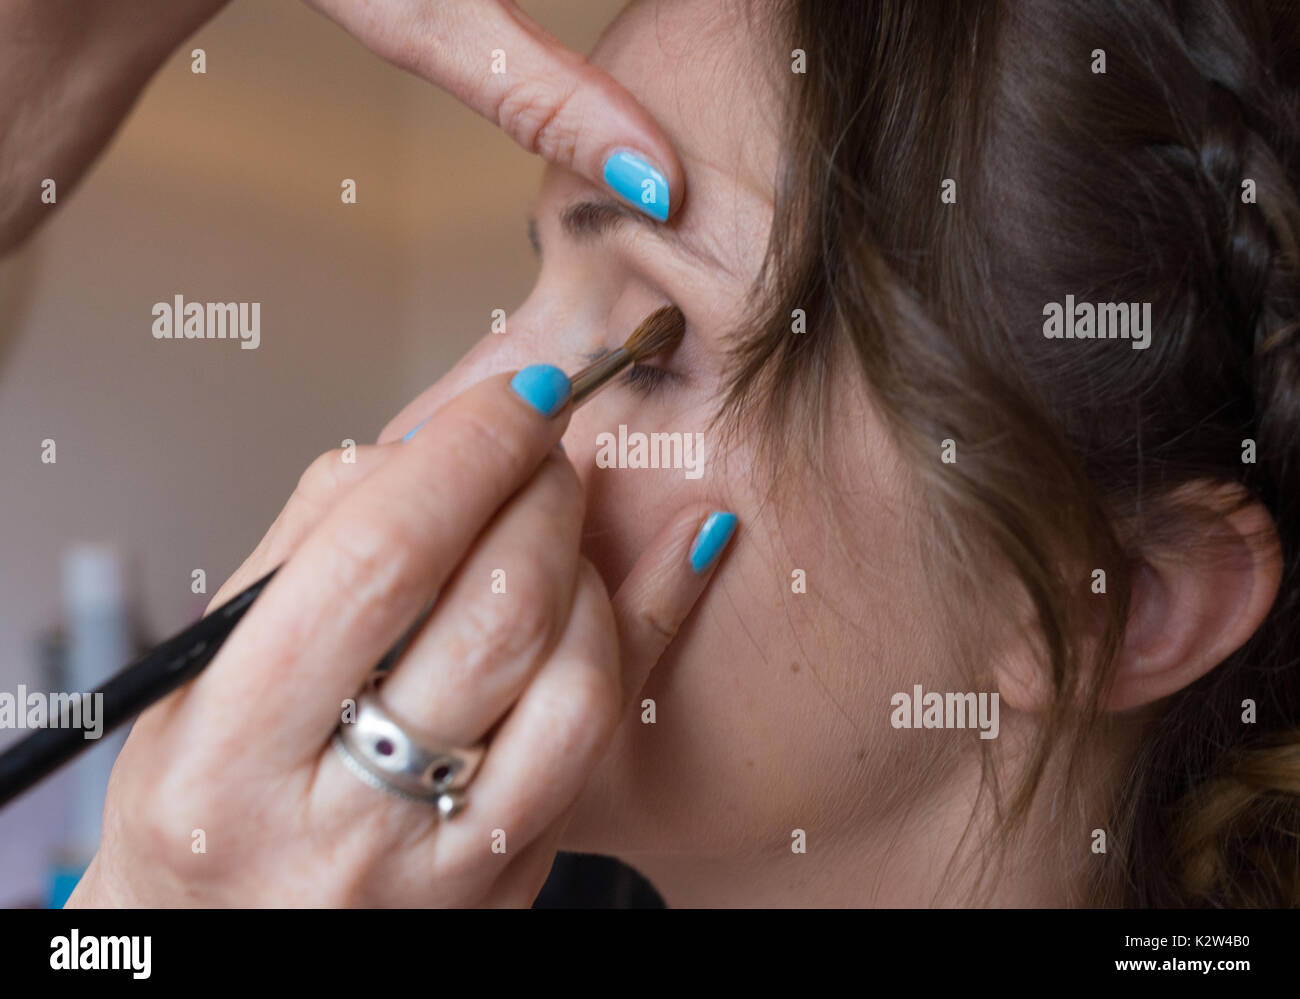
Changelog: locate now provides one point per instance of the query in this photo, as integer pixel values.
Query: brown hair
(1117, 186)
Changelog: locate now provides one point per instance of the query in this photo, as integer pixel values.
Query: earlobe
(1195, 603)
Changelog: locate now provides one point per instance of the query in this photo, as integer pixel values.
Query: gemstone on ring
(441, 772)
(378, 749)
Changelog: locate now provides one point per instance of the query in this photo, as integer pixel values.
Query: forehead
(704, 70)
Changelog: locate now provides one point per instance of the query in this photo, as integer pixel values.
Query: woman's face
(772, 705)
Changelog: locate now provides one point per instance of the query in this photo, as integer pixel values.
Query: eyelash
(647, 380)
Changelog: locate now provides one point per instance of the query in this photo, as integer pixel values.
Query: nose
(494, 353)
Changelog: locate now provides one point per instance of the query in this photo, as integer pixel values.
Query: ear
(1196, 598)
(1196, 601)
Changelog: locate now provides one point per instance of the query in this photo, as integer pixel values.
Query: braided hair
(1123, 152)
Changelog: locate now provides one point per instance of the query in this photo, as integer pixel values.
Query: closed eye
(646, 379)
(643, 378)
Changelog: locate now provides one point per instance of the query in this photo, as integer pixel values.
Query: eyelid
(647, 378)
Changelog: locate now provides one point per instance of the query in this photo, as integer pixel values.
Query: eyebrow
(588, 220)
(592, 219)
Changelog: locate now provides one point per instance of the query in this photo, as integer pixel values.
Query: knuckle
(658, 624)
(320, 478)
(531, 621)
(150, 822)
(357, 555)
(586, 712)
(370, 561)
(536, 117)
(518, 630)
(164, 816)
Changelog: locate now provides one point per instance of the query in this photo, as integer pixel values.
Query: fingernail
(411, 433)
(632, 177)
(543, 387)
(713, 537)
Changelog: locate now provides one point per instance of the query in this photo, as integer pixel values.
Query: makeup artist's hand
(228, 792)
(548, 98)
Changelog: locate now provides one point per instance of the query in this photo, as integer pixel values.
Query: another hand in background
(70, 71)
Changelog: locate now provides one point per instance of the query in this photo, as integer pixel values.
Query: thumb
(663, 587)
(497, 60)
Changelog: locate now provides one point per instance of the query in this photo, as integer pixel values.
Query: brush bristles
(658, 331)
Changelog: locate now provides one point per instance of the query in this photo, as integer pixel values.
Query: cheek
(623, 514)
(615, 442)
(626, 507)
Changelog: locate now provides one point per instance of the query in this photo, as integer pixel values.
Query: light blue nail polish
(713, 537)
(543, 387)
(634, 179)
(411, 433)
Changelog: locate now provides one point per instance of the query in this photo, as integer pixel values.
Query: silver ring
(378, 749)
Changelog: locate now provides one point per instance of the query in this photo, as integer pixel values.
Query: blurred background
(176, 456)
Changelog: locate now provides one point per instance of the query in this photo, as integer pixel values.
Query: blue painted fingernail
(631, 177)
(713, 537)
(543, 387)
(411, 433)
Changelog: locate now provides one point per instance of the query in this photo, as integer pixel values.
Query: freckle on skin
(794, 667)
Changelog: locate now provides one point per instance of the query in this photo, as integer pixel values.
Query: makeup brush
(659, 330)
(183, 656)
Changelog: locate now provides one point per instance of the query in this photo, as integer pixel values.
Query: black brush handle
(150, 678)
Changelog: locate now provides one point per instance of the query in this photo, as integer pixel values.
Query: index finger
(501, 63)
(373, 564)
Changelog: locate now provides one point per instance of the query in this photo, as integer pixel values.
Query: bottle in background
(100, 639)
